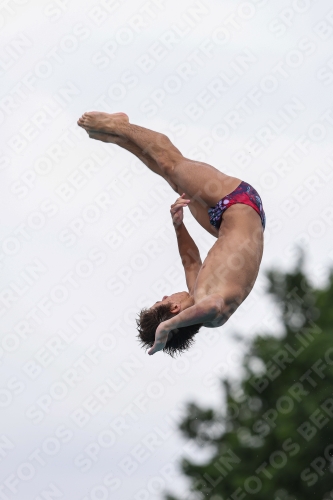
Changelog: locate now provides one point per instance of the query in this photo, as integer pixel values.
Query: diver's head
(179, 339)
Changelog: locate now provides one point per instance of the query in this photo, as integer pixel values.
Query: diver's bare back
(232, 264)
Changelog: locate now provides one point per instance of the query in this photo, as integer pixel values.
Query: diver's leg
(199, 180)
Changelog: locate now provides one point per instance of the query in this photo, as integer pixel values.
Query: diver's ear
(175, 308)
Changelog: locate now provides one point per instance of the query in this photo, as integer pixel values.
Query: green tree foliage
(273, 437)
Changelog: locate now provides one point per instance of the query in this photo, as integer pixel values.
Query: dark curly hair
(179, 340)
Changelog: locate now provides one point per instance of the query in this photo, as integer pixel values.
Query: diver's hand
(176, 210)
(161, 338)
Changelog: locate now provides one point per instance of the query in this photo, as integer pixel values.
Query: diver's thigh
(202, 182)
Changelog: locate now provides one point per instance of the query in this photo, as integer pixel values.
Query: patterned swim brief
(245, 194)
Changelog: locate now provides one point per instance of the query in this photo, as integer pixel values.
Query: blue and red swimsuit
(245, 194)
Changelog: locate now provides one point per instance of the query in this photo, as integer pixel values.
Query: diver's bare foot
(103, 122)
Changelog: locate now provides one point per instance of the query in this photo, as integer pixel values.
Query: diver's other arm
(188, 250)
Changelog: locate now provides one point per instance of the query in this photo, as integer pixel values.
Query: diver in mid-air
(228, 208)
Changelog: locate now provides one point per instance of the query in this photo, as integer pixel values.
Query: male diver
(227, 207)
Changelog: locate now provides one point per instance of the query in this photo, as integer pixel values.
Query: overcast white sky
(86, 237)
